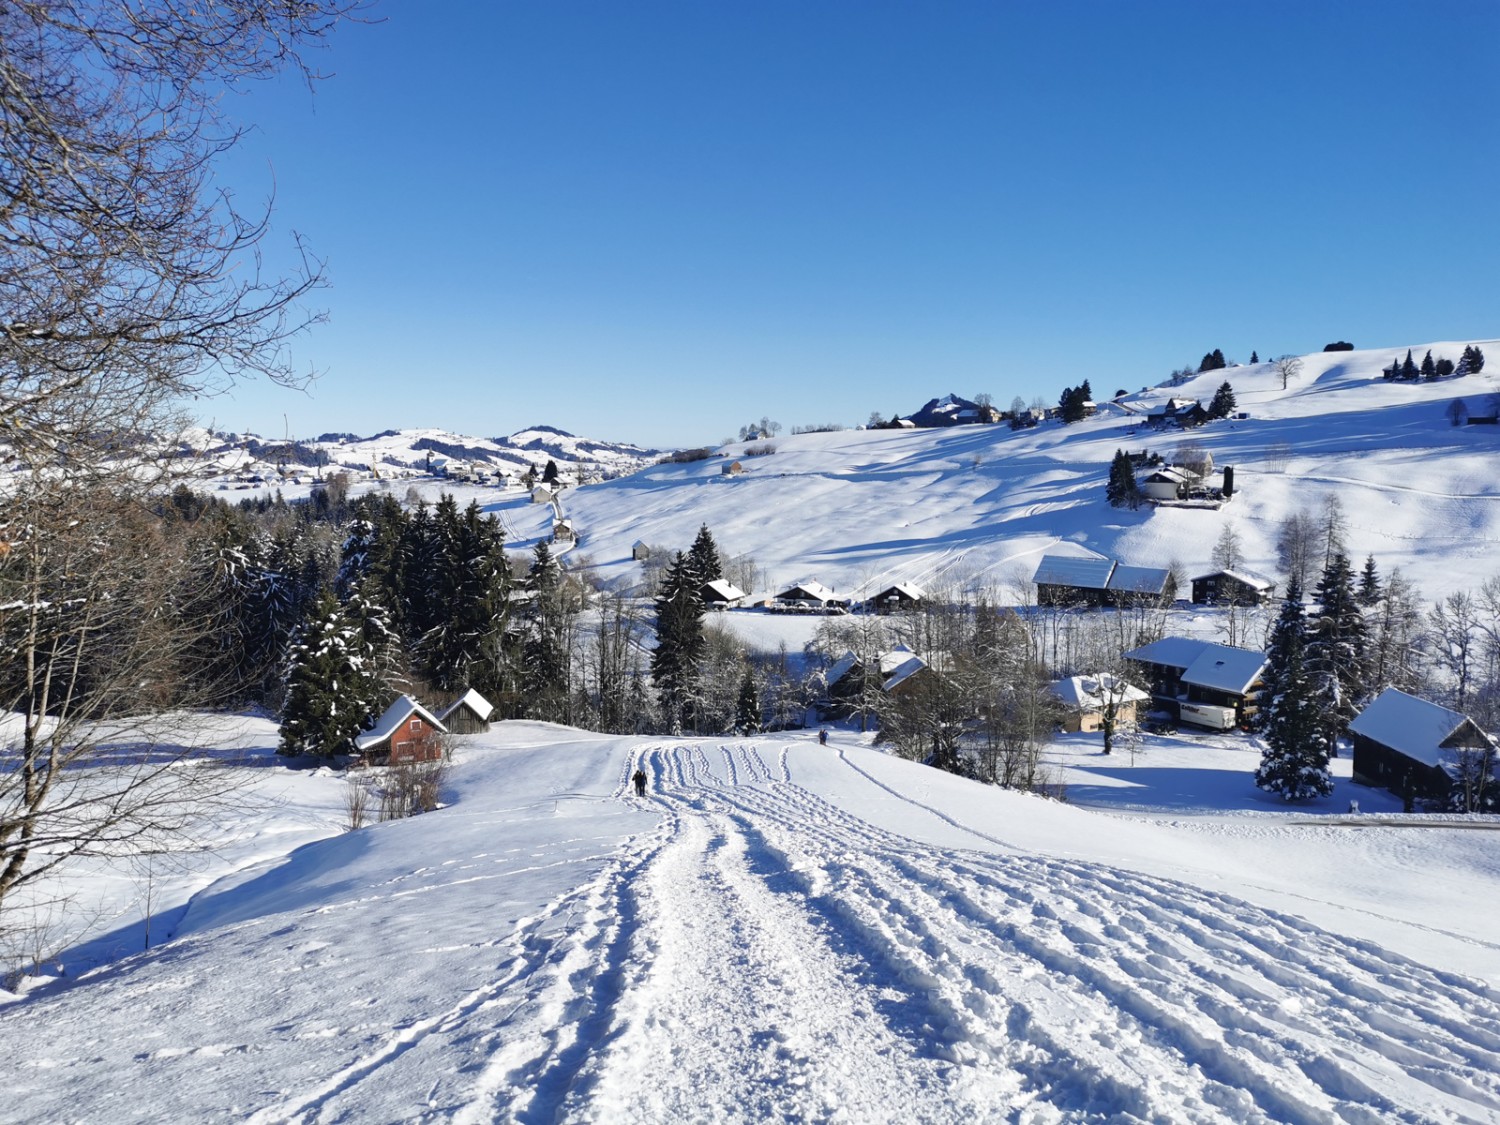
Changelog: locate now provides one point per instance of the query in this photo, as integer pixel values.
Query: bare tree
(1288, 367)
(1453, 631)
(1228, 553)
(1457, 412)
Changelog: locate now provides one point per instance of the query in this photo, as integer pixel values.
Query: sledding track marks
(765, 954)
(795, 962)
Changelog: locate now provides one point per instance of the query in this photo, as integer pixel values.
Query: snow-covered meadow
(787, 931)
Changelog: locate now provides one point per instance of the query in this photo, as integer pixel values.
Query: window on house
(416, 724)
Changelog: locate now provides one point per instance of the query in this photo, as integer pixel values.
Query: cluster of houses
(1069, 580)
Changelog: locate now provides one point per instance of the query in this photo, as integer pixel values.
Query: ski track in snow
(764, 954)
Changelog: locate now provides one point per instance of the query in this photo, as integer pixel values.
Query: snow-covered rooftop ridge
(724, 588)
(1070, 570)
(1204, 663)
(475, 702)
(1239, 574)
(810, 590)
(1413, 726)
(401, 709)
(1088, 692)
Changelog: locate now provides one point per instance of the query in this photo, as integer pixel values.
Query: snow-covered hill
(861, 509)
(783, 931)
(405, 454)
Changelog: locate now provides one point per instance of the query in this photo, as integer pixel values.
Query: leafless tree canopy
(126, 279)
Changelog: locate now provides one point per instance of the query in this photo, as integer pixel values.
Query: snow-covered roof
(397, 713)
(1139, 579)
(1171, 474)
(810, 591)
(841, 667)
(1068, 570)
(905, 589)
(726, 590)
(1249, 578)
(1203, 663)
(475, 702)
(1086, 693)
(1408, 725)
(909, 665)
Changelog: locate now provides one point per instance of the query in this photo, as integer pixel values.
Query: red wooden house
(407, 732)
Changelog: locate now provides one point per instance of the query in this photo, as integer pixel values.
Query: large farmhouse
(1199, 682)
(720, 594)
(895, 673)
(1417, 749)
(1065, 580)
(809, 597)
(901, 596)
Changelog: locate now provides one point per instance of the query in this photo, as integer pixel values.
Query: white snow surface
(782, 931)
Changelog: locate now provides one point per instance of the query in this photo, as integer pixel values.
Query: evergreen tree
(1369, 584)
(1336, 650)
(1071, 405)
(1223, 402)
(1463, 365)
(1254, 358)
(703, 557)
(1293, 762)
(1408, 367)
(1475, 358)
(549, 474)
(1443, 368)
(547, 666)
(1122, 491)
(747, 712)
(354, 556)
(680, 644)
(1428, 368)
(332, 691)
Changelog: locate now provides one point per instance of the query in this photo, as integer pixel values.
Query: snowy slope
(861, 509)
(782, 931)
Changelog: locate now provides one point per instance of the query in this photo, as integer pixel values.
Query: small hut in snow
(407, 732)
(468, 714)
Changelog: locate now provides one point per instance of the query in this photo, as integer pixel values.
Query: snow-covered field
(784, 931)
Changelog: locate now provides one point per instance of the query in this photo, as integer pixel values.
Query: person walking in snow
(822, 738)
(639, 777)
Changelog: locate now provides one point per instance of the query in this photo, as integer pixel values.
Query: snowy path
(765, 951)
(765, 955)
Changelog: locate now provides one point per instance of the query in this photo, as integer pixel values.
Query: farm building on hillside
(639, 551)
(1199, 682)
(541, 494)
(563, 532)
(1065, 580)
(720, 594)
(903, 595)
(1166, 483)
(1232, 587)
(809, 597)
(1084, 700)
(407, 732)
(1181, 412)
(1419, 750)
(468, 714)
(731, 469)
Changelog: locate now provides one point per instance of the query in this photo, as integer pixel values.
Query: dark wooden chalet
(1200, 682)
(468, 714)
(1413, 747)
(720, 594)
(901, 596)
(1232, 587)
(407, 732)
(809, 597)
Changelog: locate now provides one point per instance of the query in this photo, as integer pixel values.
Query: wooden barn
(468, 714)
(1069, 581)
(407, 732)
(901, 596)
(1414, 748)
(640, 551)
(731, 469)
(1232, 587)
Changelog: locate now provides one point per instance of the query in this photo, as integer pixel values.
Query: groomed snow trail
(766, 955)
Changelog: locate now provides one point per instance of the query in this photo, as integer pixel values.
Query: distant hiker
(639, 777)
(822, 738)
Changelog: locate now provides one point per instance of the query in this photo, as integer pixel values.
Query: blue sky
(655, 222)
